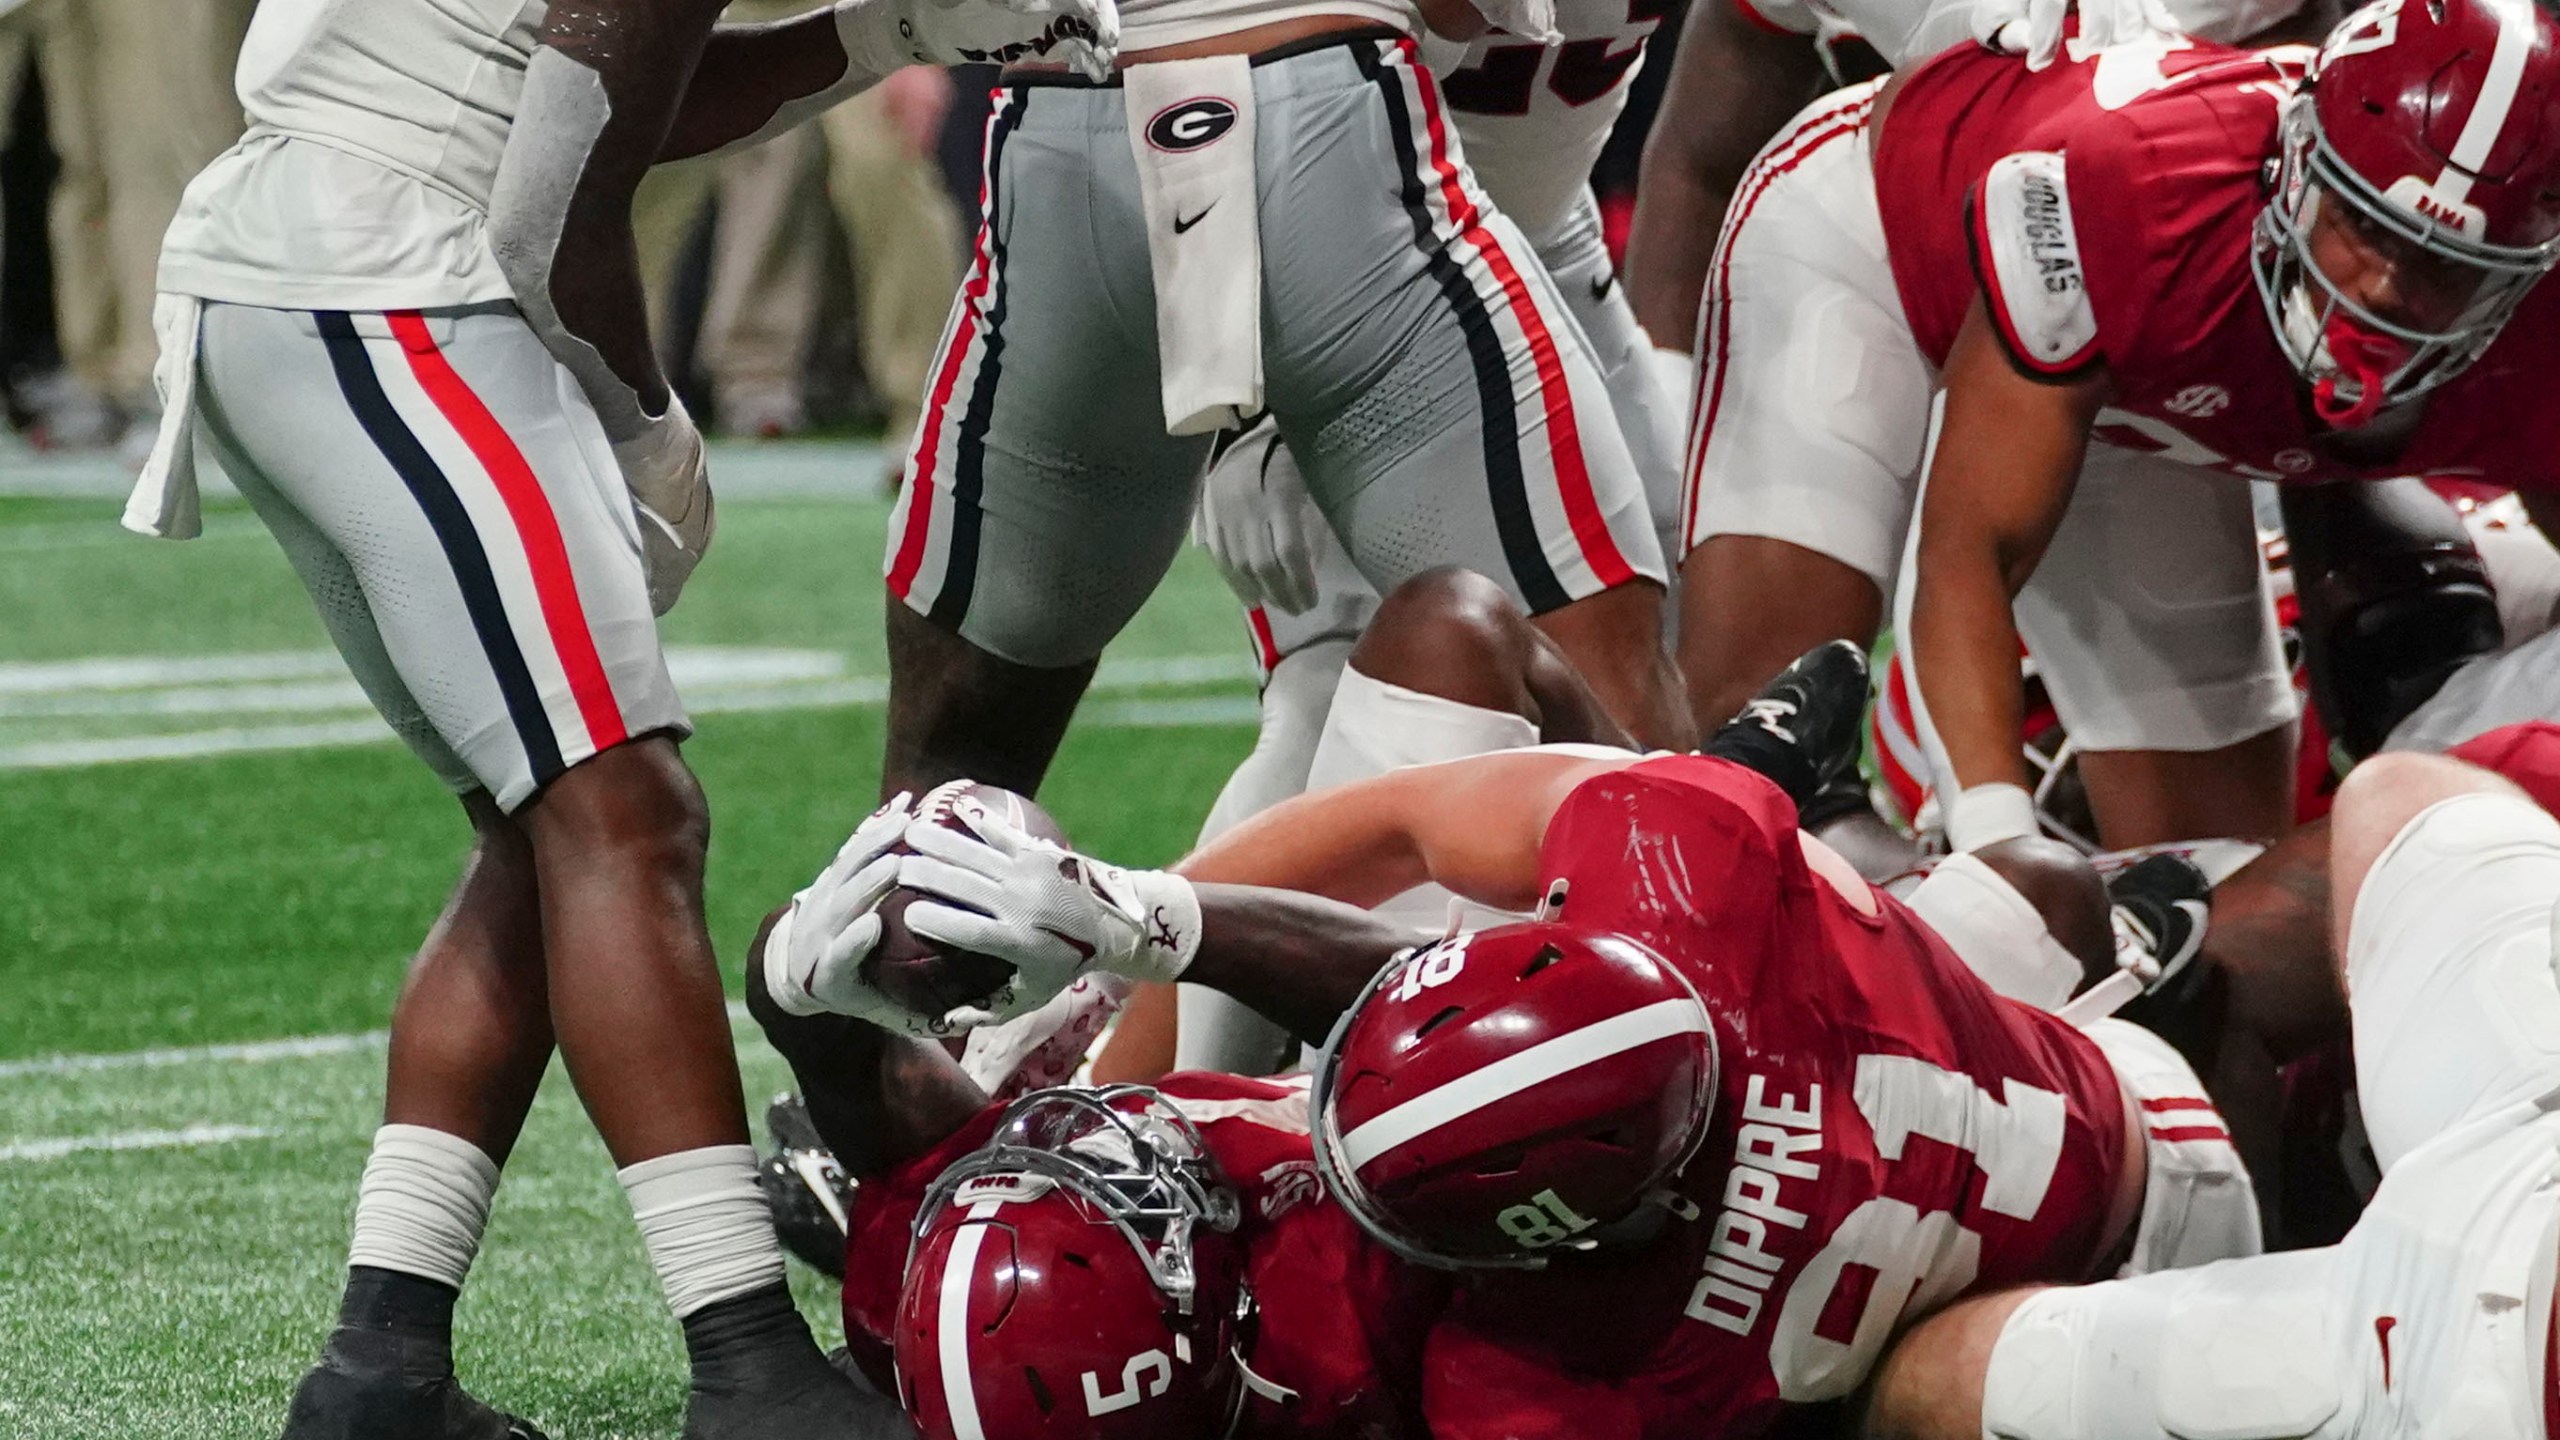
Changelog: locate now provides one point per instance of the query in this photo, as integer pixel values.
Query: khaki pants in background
(849, 168)
(906, 239)
(59, 38)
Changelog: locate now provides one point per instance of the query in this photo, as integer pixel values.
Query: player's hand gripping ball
(927, 977)
(843, 947)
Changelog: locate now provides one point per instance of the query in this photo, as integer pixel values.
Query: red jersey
(2528, 754)
(2103, 210)
(1887, 1135)
(1341, 1320)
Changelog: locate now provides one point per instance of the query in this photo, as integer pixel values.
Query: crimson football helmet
(1077, 1278)
(1502, 1096)
(2435, 125)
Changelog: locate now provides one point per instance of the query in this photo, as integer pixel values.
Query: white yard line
(187, 1139)
(715, 680)
(256, 1052)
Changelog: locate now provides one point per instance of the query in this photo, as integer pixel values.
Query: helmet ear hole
(1040, 1395)
(1547, 955)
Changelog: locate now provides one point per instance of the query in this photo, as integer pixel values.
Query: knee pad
(2237, 1351)
(1375, 727)
(2394, 598)
(1295, 701)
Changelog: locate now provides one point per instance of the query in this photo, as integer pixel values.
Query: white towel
(1191, 131)
(164, 501)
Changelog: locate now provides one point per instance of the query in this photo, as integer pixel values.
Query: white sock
(1996, 933)
(423, 1203)
(705, 1224)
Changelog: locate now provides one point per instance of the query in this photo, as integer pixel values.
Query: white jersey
(1152, 24)
(1907, 31)
(1532, 119)
(362, 183)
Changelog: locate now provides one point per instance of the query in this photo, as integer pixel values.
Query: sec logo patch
(1190, 124)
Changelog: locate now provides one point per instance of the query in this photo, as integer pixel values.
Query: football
(914, 972)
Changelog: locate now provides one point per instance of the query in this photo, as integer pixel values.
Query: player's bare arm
(757, 81)
(1471, 825)
(1732, 85)
(598, 98)
(2006, 463)
(877, 1099)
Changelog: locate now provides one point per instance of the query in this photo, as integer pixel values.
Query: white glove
(1082, 34)
(813, 958)
(2033, 28)
(1050, 913)
(1258, 522)
(1530, 20)
(670, 489)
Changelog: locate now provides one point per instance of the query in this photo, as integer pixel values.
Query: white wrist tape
(1988, 814)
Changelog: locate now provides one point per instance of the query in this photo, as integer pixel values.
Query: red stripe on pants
(1564, 433)
(555, 584)
(946, 378)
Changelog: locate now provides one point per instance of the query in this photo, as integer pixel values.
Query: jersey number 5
(1914, 1259)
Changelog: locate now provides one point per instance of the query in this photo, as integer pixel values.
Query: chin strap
(2364, 360)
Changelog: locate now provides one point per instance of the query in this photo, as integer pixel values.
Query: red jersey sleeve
(2528, 754)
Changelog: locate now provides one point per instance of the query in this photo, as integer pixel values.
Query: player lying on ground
(1765, 1035)
(1145, 1264)
(475, 466)
(2434, 1315)
(1466, 672)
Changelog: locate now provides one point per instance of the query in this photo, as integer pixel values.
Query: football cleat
(808, 1191)
(758, 1376)
(2159, 908)
(386, 1385)
(1803, 729)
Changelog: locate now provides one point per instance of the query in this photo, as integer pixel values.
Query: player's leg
(1807, 430)
(2150, 622)
(2442, 878)
(1043, 498)
(1650, 417)
(2151, 1358)
(471, 1036)
(1444, 407)
(471, 493)
(1302, 659)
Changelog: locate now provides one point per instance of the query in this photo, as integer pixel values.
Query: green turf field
(213, 864)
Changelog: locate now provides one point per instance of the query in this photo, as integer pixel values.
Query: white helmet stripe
(1512, 1074)
(2497, 96)
(951, 1323)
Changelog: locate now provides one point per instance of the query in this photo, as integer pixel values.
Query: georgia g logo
(1190, 124)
